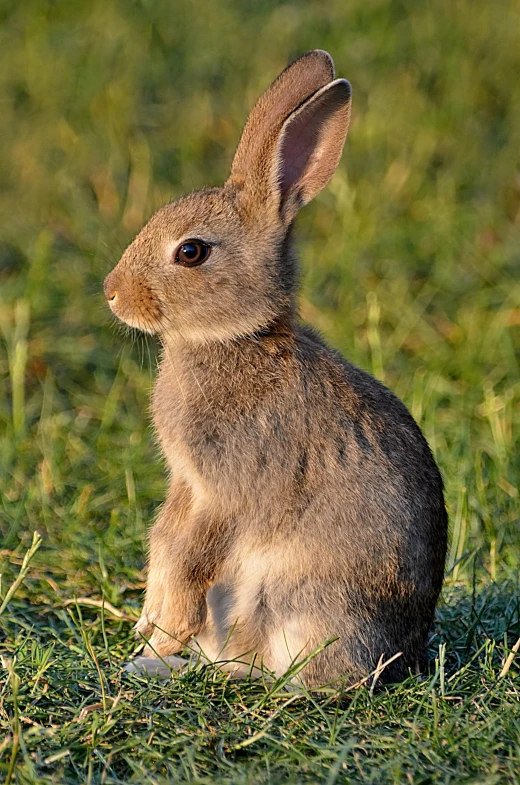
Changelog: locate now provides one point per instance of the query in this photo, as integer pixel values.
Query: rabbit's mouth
(138, 308)
(146, 322)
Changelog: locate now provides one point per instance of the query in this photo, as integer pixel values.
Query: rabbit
(304, 504)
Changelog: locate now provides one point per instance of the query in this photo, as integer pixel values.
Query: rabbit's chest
(236, 446)
(200, 448)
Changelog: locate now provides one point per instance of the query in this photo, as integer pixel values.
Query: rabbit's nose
(109, 289)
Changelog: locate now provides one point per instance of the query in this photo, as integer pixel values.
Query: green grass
(411, 268)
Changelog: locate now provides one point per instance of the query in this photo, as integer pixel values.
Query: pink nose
(109, 289)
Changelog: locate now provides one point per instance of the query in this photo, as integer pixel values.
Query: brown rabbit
(304, 502)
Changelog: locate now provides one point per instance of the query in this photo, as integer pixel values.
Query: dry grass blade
(509, 661)
(36, 542)
(93, 603)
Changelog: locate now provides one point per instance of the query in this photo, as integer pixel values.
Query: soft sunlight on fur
(304, 502)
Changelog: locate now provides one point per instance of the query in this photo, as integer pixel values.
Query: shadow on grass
(475, 624)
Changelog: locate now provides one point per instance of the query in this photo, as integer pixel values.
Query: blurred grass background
(410, 257)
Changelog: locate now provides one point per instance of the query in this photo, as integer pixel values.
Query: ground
(410, 267)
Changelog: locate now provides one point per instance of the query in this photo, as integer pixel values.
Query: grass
(411, 268)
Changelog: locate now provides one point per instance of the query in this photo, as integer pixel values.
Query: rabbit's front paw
(154, 603)
(170, 629)
(144, 625)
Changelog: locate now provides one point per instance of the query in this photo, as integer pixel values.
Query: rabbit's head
(216, 264)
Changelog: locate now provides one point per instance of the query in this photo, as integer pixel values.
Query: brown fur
(304, 502)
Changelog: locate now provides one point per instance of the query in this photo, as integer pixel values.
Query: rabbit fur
(304, 503)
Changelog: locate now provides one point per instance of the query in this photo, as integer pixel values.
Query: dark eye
(192, 252)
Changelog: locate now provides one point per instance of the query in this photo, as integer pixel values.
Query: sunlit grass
(411, 268)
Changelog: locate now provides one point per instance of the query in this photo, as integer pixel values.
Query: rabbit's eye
(191, 253)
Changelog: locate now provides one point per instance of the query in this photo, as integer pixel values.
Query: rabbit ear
(293, 140)
(290, 89)
(309, 147)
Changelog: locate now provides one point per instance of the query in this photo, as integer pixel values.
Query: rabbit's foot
(143, 626)
(154, 666)
(167, 631)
